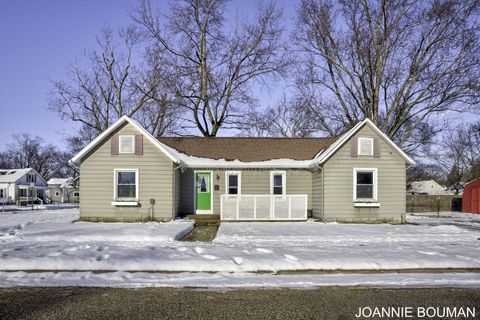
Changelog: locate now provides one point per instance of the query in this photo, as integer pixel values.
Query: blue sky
(39, 38)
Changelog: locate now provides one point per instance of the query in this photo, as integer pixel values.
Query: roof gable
(343, 139)
(13, 175)
(105, 134)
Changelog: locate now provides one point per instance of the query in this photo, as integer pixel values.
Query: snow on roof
(63, 182)
(12, 175)
(178, 153)
(188, 161)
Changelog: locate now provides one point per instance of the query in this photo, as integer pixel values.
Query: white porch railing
(263, 207)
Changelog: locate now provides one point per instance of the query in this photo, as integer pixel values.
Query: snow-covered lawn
(48, 240)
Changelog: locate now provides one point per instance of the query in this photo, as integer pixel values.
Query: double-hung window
(365, 184)
(126, 144)
(277, 182)
(233, 182)
(2, 193)
(126, 185)
(365, 146)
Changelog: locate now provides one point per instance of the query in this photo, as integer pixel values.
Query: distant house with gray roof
(63, 190)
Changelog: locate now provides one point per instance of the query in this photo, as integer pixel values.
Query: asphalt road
(168, 303)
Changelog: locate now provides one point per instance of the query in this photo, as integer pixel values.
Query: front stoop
(205, 219)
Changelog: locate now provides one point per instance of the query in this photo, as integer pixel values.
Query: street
(170, 303)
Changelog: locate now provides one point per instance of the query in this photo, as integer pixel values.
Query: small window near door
(277, 182)
(233, 182)
(365, 184)
(126, 144)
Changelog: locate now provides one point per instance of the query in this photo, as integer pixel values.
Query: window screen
(365, 146)
(365, 185)
(233, 184)
(126, 185)
(126, 144)
(277, 184)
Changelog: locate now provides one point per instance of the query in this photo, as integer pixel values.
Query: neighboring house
(21, 186)
(471, 197)
(128, 175)
(429, 187)
(63, 190)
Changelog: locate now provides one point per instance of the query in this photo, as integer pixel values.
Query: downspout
(323, 194)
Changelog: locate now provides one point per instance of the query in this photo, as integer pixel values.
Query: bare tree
(118, 80)
(216, 67)
(403, 64)
(28, 151)
(460, 155)
(290, 117)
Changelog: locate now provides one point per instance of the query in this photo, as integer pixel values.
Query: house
(63, 190)
(471, 197)
(128, 175)
(429, 187)
(21, 186)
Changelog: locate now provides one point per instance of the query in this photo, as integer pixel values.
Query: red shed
(471, 197)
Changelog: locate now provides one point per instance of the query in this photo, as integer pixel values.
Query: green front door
(203, 192)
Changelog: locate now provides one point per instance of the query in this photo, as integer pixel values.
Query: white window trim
(120, 137)
(375, 184)
(360, 139)
(115, 176)
(227, 185)
(284, 181)
(76, 194)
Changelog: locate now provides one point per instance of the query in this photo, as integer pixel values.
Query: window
(23, 193)
(365, 146)
(126, 184)
(233, 182)
(76, 194)
(203, 184)
(277, 182)
(2, 193)
(365, 184)
(31, 178)
(57, 193)
(126, 144)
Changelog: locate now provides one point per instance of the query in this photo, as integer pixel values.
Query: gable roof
(62, 182)
(79, 156)
(325, 155)
(13, 175)
(246, 152)
(249, 149)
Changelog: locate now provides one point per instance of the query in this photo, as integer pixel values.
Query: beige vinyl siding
(155, 171)
(317, 194)
(255, 181)
(338, 184)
